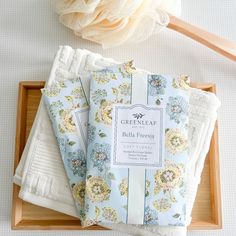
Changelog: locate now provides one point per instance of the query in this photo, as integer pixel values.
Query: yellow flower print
(183, 82)
(104, 113)
(66, 122)
(168, 178)
(52, 91)
(97, 212)
(88, 222)
(148, 183)
(97, 189)
(78, 92)
(125, 89)
(162, 205)
(127, 68)
(123, 187)
(103, 77)
(175, 141)
(78, 192)
(110, 214)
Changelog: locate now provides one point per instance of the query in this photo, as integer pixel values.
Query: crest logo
(138, 115)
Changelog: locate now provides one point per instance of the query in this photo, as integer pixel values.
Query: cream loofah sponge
(115, 22)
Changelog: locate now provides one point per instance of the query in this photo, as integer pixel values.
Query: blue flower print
(150, 216)
(177, 108)
(91, 133)
(100, 155)
(99, 95)
(157, 84)
(77, 162)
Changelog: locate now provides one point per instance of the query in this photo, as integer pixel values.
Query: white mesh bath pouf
(115, 22)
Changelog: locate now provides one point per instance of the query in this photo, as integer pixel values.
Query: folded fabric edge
(48, 203)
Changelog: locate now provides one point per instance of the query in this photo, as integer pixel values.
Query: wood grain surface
(207, 209)
(218, 44)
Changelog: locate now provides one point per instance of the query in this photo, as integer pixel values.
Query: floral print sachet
(107, 196)
(62, 98)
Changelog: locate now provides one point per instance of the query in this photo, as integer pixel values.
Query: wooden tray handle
(216, 43)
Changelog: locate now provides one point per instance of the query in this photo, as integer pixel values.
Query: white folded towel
(41, 174)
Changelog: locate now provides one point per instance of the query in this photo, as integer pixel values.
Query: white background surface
(30, 35)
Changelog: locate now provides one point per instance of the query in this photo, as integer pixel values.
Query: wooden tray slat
(207, 209)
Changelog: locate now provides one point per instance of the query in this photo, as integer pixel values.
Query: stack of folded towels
(117, 146)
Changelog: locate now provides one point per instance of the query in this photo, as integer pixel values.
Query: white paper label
(138, 136)
(81, 122)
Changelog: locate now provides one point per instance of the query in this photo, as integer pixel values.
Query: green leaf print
(177, 215)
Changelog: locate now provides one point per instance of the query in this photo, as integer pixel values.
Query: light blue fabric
(107, 188)
(106, 197)
(62, 98)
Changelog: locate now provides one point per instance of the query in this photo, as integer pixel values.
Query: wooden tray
(207, 208)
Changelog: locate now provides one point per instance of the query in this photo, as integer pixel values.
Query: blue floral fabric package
(107, 196)
(110, 191)
(62, 98)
